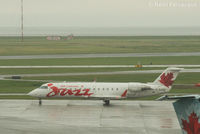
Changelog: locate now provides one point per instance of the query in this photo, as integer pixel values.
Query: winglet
(162, 98)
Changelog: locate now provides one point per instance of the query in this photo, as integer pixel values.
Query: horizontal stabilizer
(166, 97)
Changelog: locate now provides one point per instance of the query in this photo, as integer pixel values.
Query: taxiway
(99, 55)
(98, 73)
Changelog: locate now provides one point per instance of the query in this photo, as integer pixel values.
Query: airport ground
(87, 117)
(21, 113)
(97, 45)
(93, 45)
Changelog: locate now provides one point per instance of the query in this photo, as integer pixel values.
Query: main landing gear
(40, 101)
(106, 102)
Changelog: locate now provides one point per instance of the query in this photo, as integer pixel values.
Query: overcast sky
(102, 13)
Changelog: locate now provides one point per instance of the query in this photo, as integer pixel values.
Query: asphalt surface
(99, 55)
(98, 66)
(87, 117)
(97, 73)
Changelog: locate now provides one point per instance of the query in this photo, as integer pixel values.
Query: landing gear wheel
(40, 101)
(106, 102)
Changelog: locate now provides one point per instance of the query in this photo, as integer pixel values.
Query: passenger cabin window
(44, 87)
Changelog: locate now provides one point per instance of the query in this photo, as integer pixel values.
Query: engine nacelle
(138, 87)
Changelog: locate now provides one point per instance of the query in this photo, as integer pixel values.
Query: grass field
(183, 78)
(104, 61)
(65, 70)
(9, 86)
(39, 45)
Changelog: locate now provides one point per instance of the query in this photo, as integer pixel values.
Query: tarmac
(87, 117)
(97, 73)
(100, 55)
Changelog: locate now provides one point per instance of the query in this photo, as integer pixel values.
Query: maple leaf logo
(193, 126)
(167, 79)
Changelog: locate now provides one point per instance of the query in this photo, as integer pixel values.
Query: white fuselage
(108, 91)
(98, 90)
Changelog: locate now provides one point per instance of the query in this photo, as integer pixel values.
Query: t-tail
(167, 78)
(187, 109)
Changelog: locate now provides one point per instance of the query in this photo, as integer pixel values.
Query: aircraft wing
(187, 108)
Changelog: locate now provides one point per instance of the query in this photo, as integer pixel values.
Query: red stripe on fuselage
(124, 94)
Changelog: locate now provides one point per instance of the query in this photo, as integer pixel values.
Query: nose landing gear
(106, 102)
(40, 101)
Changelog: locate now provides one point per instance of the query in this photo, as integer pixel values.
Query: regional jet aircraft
(107, 91)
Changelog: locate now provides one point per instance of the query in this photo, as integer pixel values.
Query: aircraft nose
(33, 93)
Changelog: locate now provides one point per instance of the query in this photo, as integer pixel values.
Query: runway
(87, 117)
(99, 55)
(98, 73)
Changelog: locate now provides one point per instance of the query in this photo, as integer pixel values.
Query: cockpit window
(44, 87)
